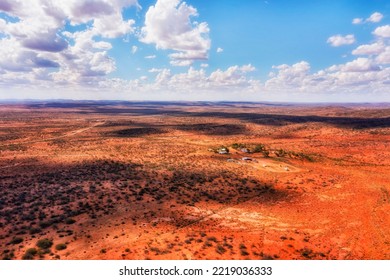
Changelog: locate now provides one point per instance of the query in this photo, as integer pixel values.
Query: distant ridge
(72, 102)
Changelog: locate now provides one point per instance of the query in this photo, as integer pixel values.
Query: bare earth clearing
(120, 180)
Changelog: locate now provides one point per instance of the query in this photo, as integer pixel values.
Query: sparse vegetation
(44, 243)
(220, 249)
(30, 254)
(16, 240)
(128, 171)
(60, 247)
(237, 146)
(70, 221)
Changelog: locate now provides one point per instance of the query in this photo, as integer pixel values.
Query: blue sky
(196, 50)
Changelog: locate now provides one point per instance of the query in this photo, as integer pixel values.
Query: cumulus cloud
(378, 51)
(361, 75)
(14, 58)
(35, 50)
(375, 17)
(360, 64)
(232, 79)
(50, 43)
(102, 45)
(382, 31)
(357, 21)
(184, 62)
(371, 49)
(368, 72)
(339, 40)
(288, 76)
(7, 6)
(168, 25)
(155, 70)
(36, 41)
(384, 56)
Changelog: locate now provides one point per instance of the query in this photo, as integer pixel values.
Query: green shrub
(220, 249)
(30, 254)
(70, 221)
(61, 246)
(35, 230)
(259, 148)
(16, 240)
(238, 146)
(265, 153)
(27, 256)
(44, 243)
(32, 251)
(244, 252)
(280, 153)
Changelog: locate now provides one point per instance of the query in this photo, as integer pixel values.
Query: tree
(44, 243)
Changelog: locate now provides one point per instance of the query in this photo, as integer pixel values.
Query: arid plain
(128, 180)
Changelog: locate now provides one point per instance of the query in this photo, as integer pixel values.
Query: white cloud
(113, 26)
(384, 56)
(372, 49)
(181, 63)
(357, 21)
(235, 77)
(339, 40)
(168, 25)
(379, 51)
(287, 76)
(150, 57)
(232, 79)
(37, 45)
(368, 73)
(102, 45)
(362, 75)
(382, 31)
(103, 14)
(155, 70)
(7, 5)
(360, 64)
(14, 58)
(36, 52)
(375, 17)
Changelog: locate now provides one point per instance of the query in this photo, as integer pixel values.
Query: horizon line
(21, 100)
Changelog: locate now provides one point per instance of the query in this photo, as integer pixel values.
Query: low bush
(16, 240)
(44, 243)
(32, 251)
(61, 246)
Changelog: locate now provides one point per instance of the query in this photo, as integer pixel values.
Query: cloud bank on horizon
(194, 50)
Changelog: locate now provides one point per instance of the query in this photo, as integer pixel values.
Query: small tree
(61, 246)
(280, 153)
(265, 153)
(44, 243)
(259, 148)
(16, 240)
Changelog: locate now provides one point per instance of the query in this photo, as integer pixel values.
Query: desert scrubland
(128, 180)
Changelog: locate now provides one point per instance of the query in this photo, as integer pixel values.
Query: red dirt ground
(117, 180)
